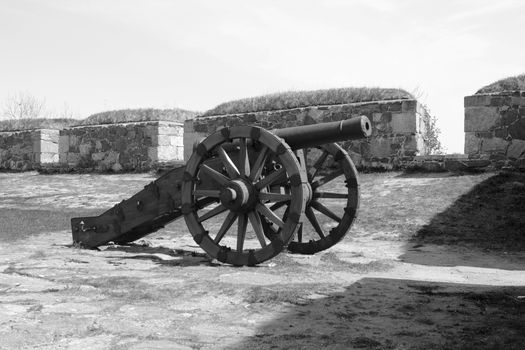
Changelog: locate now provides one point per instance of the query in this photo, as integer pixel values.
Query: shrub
(432, 133)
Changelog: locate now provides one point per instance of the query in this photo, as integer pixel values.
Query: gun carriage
(271, 183)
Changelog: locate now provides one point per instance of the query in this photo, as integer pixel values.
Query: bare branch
(22, 106)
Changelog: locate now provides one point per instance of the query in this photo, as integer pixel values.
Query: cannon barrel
(318, 134)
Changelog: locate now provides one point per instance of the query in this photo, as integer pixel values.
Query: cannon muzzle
(318, 134)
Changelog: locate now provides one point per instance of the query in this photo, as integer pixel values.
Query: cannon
(273, 184)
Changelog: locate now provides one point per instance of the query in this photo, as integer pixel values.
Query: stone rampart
(138, 146)
(398, 128)
(495, 126)
(28, 149)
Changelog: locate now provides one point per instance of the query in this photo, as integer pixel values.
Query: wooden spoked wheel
(334, 202)
(238, 167)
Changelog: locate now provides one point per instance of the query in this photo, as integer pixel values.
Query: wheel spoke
(231, 169)
(277, 206)
(213, 212)
(207, 193)
(274, 197)
(215, 175)
(313, 220)
(330, 195)
(255, 221)
(321, 208)
(324, 180)
(263, 209)
(259, 164)
(317, 165)
(228, 222)
(244, 162)
(241, 232)
(268, 180)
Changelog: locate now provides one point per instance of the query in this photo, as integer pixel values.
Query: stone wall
(398, 128)
(495, 126)
(137, 146)
(28, 150)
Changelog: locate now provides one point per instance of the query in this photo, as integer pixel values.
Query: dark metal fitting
(255, 133)
(225, 132)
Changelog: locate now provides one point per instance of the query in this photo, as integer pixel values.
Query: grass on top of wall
(508, 84)
(138, 115)
(37, 123)
(296, 99)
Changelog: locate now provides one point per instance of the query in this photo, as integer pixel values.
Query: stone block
(481, 118)
(476, 100)
(403, 123)
(49, 135)
(190, 140)
(73, 140)
(162, 140)
(376, 117)
(152, 154)
(493, 145)
(500, 100)
(47, 158)
(517, 101)
(72, 159)
(455, 156)
(111, 158)
(62, 158)
(384, 125)
(391, 106)
(151, 131)
(63, 143)
(98, 156)
(166, 154)
(409, 106)
(430, 166)
(516, 149)
(517, 129)
(85, 148)
(48, 146)
(116, 168)
(170, 129)
(36, 141)
(178, 141)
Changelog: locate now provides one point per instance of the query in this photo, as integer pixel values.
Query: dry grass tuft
(507, 84)
(138, 115)
(296, 99)
(37, 123)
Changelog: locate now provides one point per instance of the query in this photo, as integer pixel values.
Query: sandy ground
(380, 288)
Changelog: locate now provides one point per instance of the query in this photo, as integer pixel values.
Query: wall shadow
(376, 313)
(490, 219)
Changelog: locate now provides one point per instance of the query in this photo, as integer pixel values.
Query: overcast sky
(112, 54)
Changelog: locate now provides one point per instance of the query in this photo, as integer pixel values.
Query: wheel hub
(238, 196)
